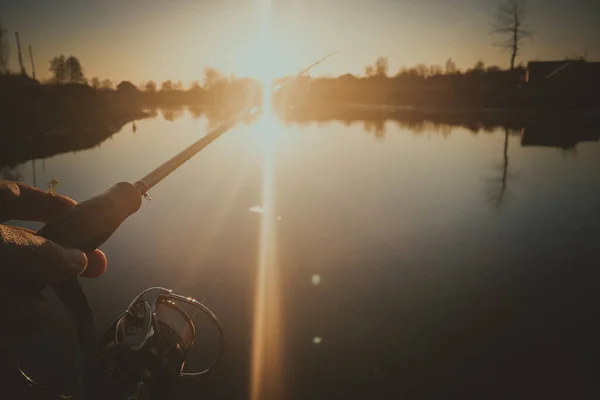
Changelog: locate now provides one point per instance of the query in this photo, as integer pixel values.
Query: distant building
(566, 74)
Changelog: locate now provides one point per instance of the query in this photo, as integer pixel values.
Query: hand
(28, 263)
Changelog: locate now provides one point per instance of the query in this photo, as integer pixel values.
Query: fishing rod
(141, 342)
(154, 177)
(305, 70)
(294, 84)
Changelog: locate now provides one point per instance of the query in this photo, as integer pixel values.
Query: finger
(97, 262)
(23, 229)
(32, 260)
(26, 203)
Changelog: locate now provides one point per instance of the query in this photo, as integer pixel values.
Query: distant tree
(166, 86)
(510, 25)
(178, 85)
(58, 68)
(106, 84)
(127, 87)
(4, 51)
(74, 71)
(195, 85)
(435, 70)
(479, 66)
(404, 71)
(95, 83)
(150, 86)
(381, 66)
(422, 70)
(450, 67)
(211, 77)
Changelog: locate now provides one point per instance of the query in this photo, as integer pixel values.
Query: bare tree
(3, 50)
(510, 24)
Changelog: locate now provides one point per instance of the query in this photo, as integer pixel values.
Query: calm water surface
(379, 264)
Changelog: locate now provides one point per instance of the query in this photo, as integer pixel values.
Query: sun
(263, 56)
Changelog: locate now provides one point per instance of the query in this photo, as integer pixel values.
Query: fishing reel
(141, 356)
(147, 346)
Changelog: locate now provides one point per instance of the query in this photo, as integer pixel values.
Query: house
(566, 74)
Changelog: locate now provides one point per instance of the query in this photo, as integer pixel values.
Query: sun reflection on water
(267, 337)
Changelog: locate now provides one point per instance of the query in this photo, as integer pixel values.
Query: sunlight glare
(267, 339)
(267, 336)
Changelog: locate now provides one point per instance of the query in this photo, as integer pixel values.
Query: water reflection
(172, 113)
(390, 276)
(536, 130)
(497, 189)
(17, 149)
(268, 334)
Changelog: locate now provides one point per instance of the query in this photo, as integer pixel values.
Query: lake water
(362, 260)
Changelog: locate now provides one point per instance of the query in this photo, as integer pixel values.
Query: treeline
(421, 85)
(68, 100)
(228, 93)
(28, 108)
(381, 69)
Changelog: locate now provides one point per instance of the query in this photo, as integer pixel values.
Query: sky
(140, 40)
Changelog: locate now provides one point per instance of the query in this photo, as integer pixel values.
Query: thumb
(31, 260)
